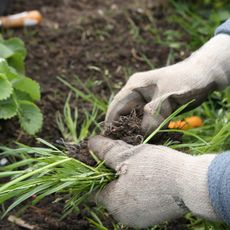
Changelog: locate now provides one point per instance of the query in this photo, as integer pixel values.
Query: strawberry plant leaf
(15, 52)
(16, 45)
(9, 72)
(6, 52)
(22, 96)
(6, 88)
(8, 108)
(30, 117)
(17, 61)
(17, 91)
(29, 86)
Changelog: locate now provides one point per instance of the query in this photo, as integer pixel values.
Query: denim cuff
(223, 28)
(219, 185)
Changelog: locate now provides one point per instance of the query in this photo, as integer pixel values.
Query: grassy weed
(49, 170)
(69, 123)
(86, 94)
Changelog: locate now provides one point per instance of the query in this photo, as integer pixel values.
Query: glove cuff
(193, 185)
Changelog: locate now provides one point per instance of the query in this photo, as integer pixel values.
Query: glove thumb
(113, 152)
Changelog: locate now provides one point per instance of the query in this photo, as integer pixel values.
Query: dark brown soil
(47, 215)
(75, 36)
(127, 128)
(78, 151)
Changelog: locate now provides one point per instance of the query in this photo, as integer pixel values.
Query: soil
(49, 217)
(74, 39)
(127, 128)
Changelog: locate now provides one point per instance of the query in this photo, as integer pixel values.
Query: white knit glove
(155, 183)
(163, 90)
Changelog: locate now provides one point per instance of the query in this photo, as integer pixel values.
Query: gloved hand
(155, 183)
(163, 90)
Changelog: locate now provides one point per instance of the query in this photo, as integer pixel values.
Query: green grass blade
(166, 121)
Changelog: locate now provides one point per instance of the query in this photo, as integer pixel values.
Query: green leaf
(7, 70)
(8, 108)
(15, 52)
(30, 117)
(29, 86)
(22, 96)
(6, 88)
(17, 61)
(5, 52)
(16, 45)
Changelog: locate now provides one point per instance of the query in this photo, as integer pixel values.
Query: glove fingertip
(150, 123)
(100, 145)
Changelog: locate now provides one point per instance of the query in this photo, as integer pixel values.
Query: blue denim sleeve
(223, 28)
(219, 170)
(219, 185)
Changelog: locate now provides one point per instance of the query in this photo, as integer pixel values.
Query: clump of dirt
(78, 151)
(127, 128)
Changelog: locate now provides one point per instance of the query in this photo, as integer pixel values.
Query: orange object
(187, 123)
(30, 18)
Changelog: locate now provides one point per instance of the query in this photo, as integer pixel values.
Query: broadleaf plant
(18, 93)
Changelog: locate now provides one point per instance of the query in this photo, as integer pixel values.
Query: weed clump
(126, 128)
